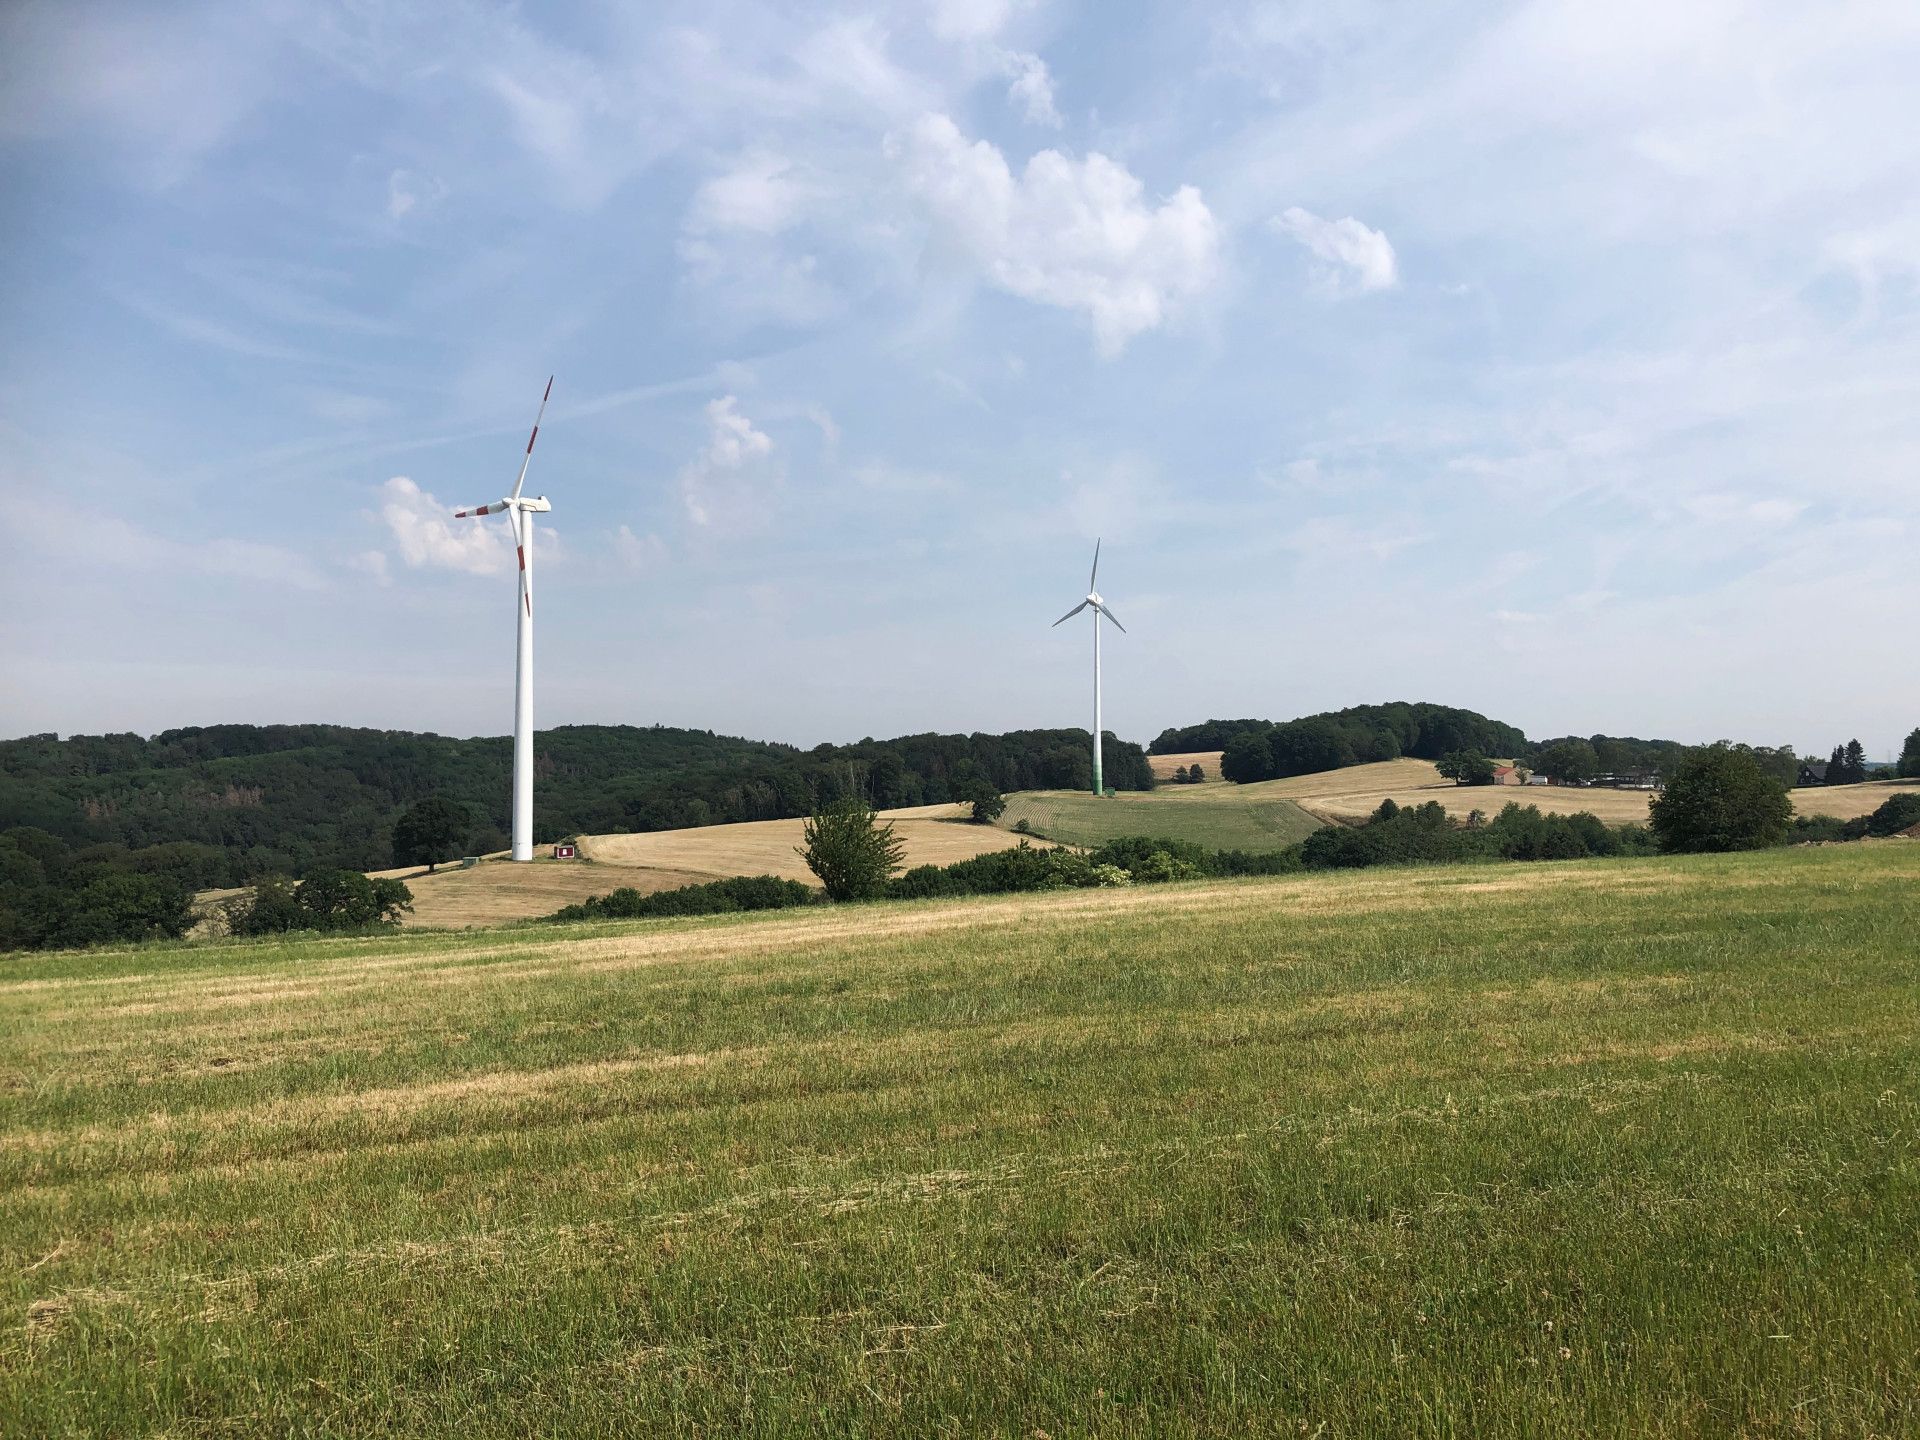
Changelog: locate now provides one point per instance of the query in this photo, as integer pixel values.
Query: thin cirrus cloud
(1075, 234)
(1355, 257)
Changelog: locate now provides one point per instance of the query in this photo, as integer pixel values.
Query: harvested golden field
(1358, 790)
(497, 891)
(1163, 766)
(935, 835)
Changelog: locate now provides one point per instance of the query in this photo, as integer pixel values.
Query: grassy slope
(1604, 1148)
(1221, 817)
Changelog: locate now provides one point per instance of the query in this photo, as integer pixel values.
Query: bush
(1900, 812)
(718, 897)
(850, 851)
(1721, 798)
(326, 901)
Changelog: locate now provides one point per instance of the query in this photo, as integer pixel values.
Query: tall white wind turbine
(520, 513)
(1094, 603)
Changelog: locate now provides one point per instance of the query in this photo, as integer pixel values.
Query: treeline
(1266, 750)
(54, 896)
(226, 804)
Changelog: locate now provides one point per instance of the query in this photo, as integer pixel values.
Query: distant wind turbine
(520, 513)
(1099, 607)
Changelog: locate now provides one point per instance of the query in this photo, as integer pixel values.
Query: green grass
(1220, 817)
(1597, 1149)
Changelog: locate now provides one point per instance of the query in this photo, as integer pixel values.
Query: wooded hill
(240, 801)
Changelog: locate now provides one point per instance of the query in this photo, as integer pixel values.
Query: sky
(1556, 360)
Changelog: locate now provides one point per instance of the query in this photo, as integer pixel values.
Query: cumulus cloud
(1356, 257)
(1076, 234)
(1031, 88)
(718, 484)
(428, 537)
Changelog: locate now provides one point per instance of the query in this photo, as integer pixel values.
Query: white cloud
(1031, 88)
(641, 554)
(759, 193)
(720, 485)
(429, 537)
(408, 190)
(1357, 257)
(90, 542)
(1077, 234)
(828, 426)
(970, 19)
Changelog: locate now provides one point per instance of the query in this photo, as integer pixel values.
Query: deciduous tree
(1721, 798)
(849, 850)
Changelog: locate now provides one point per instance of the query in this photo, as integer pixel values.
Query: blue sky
(1557, 360)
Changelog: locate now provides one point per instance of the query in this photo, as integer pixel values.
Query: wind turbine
(1099, 607)
(520, 513)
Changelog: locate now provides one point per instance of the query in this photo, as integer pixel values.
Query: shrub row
(718, 897)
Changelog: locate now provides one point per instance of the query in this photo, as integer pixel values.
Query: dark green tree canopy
(1466, 767)
(1722, 797)
(1909, 766)
(431, 830)
(1567, 761)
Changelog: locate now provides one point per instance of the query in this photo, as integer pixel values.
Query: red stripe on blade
(521, 551)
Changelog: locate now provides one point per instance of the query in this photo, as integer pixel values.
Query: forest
(234, 802)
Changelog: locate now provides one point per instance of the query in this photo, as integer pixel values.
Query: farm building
(1509, 775)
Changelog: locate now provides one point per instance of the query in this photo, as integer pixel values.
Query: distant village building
(1509, 775)
(1813, 772)
(1539, 780)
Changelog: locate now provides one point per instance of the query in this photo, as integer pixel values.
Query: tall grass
(1605, 1148)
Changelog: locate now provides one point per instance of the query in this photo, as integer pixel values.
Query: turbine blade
(1110, 615)
(494, 509)
(1095, 576)
(1070, 614)
(527, 459)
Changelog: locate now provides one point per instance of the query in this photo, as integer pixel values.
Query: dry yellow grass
(1358, 790)
(497, 891)
(1163, 766)
(935, 835)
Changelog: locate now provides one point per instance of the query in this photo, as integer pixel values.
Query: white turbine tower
(520, 513)
(1099, 607)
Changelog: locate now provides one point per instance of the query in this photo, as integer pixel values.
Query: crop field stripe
(1613, 1148)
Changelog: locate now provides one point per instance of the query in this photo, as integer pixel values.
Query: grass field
(1603, 1148)
(1358, 790)
(1220, 817)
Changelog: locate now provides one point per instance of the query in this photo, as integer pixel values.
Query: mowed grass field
(1357, 791)
(1602, 1148)
(1220, 817)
